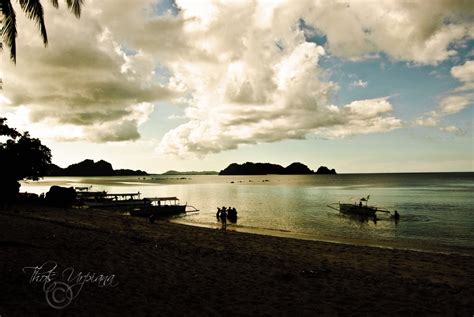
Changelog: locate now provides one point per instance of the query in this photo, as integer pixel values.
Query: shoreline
(286, 234)
(174, 269)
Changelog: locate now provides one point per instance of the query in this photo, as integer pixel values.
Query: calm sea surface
(437, 210)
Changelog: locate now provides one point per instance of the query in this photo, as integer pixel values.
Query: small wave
(415, 218)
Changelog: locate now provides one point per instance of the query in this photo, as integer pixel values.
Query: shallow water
(436, 208)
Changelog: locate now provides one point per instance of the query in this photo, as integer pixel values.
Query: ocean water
(437, 209)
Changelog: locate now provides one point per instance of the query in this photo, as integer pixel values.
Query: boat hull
(159, 211)
(357, 210)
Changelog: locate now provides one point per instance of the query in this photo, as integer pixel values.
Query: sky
(359, 86)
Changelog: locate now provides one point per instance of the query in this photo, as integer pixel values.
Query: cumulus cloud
(455, 104)
(452, 104)
(359, 83)
(264, 83)
(414, 31)
(447, 106)
(452, 129)
(244, 70)
(465, 74)
(83, 79)
(430, 120)
(266, 88)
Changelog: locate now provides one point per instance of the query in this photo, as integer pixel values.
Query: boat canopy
(163, 199)
(83, 188)
(123, 195)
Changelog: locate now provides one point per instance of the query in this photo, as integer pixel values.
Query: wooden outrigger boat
(361, 209)
(145, 207)
(161, 206)
(105, 200)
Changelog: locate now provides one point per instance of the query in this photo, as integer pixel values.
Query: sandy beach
(171, 269)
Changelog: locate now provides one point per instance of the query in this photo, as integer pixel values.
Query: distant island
(91, 168)
(250, 168)
(172, 172)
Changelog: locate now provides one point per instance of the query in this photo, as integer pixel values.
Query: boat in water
(161, 206)
(359, 209)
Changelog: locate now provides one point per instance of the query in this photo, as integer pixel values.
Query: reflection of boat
(361, 209)
(160, 206)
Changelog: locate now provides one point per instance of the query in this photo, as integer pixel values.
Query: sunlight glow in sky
(359, 86)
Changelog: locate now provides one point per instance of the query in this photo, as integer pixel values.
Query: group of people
(223, 213)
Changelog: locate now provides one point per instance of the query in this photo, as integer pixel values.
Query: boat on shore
(102, 199)
(140, 207)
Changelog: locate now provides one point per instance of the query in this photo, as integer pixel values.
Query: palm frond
(34, 11)
(8, 31)
(75, 6)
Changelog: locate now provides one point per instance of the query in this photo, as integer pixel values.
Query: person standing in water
(396, 217)
(224, 218)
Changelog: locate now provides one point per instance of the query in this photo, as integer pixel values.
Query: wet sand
(171, 269)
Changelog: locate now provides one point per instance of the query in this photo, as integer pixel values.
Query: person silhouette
(224, 218)
(396, 217)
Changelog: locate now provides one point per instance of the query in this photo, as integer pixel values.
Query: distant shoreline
(197, 174)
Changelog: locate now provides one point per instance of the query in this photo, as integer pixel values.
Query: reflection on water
(436, 209)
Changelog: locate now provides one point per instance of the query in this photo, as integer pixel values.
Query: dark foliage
(34, 11)
(21, 157)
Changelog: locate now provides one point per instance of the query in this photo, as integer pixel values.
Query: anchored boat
(161, 206)
(360, 209)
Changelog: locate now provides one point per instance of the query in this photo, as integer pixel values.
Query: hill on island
(250, 168)
(91, 168)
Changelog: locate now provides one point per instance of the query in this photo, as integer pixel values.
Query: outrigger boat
(145, 207)
(161, 206)
(104, 200)
(361, 209)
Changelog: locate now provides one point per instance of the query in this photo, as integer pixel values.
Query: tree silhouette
(34, 11)
(21, 157)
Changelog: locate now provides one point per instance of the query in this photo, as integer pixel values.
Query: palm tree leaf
(8, 31)
(34, 11)
(75, 6)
